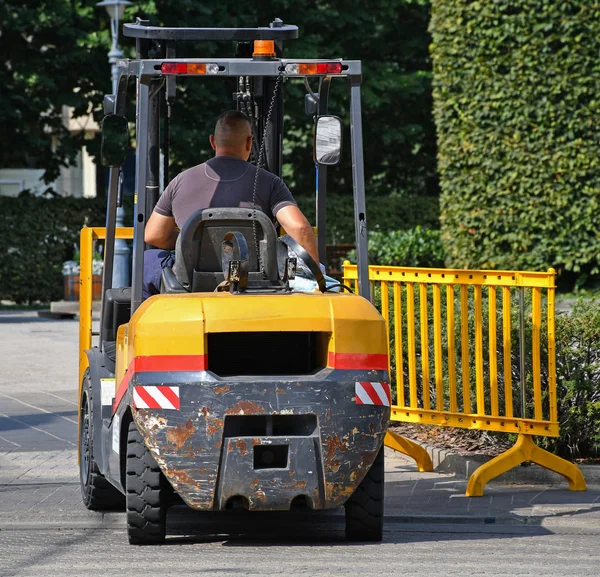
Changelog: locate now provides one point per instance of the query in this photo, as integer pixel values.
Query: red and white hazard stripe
(156, 398)
(373, 394)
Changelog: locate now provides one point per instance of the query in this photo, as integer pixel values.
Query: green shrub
(384, 213)
(37, 236)
(417, 247)
(516, 103)
(578, 381)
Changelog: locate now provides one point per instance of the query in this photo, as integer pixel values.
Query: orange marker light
(197, 68)
(264, 48)
(307, 68)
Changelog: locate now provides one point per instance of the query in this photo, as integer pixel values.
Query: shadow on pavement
(15, 422)
(25, 317)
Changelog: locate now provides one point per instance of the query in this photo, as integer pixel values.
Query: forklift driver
(227, 180)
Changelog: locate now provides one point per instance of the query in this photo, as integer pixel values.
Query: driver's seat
(198, 253)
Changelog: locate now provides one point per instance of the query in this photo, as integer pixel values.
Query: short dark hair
(232, 128)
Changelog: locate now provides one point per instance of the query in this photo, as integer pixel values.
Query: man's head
(233, 135)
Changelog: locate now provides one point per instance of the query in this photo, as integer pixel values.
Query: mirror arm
(310, 90)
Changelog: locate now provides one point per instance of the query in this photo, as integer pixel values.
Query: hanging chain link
(259, 162)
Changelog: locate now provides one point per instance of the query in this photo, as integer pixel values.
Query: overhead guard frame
(148, 72)
(284, 32)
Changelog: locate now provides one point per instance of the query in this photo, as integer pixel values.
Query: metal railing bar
(492, 350)
(451, 348)
(424, 324)
(506, 345)
(464, 334)
(398, 343)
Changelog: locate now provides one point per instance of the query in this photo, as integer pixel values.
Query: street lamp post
(122, 258)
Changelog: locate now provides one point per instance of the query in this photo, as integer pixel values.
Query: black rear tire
(146, 493)
(97, 493)
(364, 509)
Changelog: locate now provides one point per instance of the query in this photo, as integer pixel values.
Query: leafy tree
(55, 54)
(392, 41)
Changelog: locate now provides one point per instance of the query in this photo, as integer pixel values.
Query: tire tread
(146, 494)
(364, 509)
(98, 494)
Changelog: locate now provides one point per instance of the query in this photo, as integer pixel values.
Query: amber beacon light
(264, 49)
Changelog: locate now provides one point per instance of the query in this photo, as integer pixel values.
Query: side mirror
(328, 140)
(115, 140)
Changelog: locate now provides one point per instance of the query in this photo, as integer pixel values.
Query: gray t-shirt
(222, 182)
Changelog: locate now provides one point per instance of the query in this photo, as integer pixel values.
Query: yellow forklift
(230, 389)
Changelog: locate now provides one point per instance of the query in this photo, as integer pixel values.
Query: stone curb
(465, 465)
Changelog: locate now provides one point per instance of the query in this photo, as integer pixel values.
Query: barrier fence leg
(523, 451)
(414, 450)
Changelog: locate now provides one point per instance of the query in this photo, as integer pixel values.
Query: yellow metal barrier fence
(476, 350)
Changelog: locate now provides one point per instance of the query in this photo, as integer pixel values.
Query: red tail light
(329, 68)
(188, 68)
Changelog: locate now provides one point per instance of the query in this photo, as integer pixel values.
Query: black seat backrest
(198, 248)
(116, 311)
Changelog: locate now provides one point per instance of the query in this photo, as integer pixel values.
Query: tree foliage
(390, 38)
(516, 104)
(56, 54)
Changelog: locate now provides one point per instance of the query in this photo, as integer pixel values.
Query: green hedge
(37, 235)
(420, 247)
(517, 103)
(384, 213)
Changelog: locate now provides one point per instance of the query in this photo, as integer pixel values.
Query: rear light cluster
(293, 68)
(314, 68)
(185, 68)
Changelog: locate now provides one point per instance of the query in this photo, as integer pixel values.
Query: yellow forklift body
(177, 324)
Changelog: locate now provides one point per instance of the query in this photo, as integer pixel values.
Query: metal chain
(261, 153)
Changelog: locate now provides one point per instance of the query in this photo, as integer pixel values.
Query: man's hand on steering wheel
(314, 268)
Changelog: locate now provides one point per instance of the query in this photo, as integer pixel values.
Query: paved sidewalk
(42, 489)
(39, 478)
(440, 497)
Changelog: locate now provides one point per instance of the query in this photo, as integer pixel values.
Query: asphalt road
(431, 528)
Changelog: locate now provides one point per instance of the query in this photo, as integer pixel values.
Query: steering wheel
(308, 261)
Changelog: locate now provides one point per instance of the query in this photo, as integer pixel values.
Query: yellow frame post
(86, 246)
(87, 237)
(523, 451)
(411, 449)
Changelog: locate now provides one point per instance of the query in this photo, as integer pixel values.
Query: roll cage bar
(155, 93)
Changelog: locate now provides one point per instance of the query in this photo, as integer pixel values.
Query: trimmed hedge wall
(517, 107)
(384, 213)
(37, 235)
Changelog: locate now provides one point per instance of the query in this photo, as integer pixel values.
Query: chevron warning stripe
(156, 398)
(373, 394)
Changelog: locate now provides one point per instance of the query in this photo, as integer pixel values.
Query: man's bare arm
(161, 231)
(298, 227)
